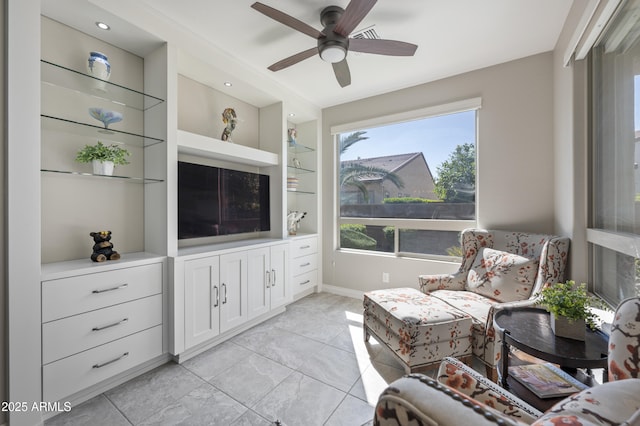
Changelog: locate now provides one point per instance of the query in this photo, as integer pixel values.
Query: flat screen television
(214, 201)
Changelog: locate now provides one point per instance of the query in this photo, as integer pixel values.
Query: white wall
(3, 185)
(515, 182)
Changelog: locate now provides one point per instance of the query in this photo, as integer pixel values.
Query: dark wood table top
(529, 329)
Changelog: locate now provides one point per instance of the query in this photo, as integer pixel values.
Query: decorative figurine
(103, 247)
(296, 163)
(292, 134)
(229, 118)
(293, 221)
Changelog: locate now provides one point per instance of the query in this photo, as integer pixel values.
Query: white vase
(571, 329)
(98, 66)
(102, 167)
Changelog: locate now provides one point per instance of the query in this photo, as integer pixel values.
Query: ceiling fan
(333, 40)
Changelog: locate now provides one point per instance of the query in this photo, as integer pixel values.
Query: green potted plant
(570, 308)
(103, 157)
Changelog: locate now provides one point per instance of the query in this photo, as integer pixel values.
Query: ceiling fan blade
(287, 20)
(343, 75)
(354, 13)
(382, 47)
(294, 59)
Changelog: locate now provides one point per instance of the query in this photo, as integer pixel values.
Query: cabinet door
(259, 272)
(233, 290)
(281, 293)
(202, 300)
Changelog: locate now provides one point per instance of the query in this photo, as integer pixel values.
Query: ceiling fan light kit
(333, 40)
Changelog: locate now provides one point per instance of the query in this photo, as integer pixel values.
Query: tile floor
(308, 366)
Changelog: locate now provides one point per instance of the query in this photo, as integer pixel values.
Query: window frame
(470, 104)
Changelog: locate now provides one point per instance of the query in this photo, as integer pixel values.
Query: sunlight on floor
(376, 375)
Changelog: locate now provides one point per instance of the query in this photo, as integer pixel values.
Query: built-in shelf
(298, 170)
(203, 146)
(89, 130)
(299, 148)
(297, 191)
(114, 177)
(58, 75)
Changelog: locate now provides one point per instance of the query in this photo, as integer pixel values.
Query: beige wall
(570, 151)
(200, 111)
(515, 181)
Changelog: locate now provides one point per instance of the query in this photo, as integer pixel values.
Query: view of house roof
(390, 163)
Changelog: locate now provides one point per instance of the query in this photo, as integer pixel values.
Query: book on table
(546, 380)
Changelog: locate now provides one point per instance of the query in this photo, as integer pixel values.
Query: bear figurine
(103, 247)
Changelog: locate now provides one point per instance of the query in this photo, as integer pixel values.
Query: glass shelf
(300, 192)
(90, 130)
(115, 177)
(299, 170)
(60, 76)
(298, 148)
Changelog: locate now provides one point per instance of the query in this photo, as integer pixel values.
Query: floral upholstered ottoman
(420, 329)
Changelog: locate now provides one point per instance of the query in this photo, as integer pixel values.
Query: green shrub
(409, 200)
(354, 226)
(350, 238)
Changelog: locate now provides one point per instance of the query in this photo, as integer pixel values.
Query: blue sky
(436, 137)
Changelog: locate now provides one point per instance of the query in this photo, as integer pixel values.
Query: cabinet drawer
(70, 296)
(304, 264)
(305, 281)
(78, 333)
(304, 247)
(63, 378)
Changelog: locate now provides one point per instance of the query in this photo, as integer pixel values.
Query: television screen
(215, 201)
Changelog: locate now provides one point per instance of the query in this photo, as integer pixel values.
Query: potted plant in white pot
(103, 157)
(570, 308)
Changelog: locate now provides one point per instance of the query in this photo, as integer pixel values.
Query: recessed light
(103, 26)
(228, 83)
(291, 114)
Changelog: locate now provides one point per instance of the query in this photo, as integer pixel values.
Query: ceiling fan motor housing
(333, 47)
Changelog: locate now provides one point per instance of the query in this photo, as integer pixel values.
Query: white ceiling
(453, 37)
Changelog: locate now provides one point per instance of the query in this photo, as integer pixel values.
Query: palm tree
(353, 174)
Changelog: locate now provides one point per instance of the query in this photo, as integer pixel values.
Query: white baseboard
(341, 291)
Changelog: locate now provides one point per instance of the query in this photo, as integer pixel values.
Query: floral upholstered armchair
(499, 269)
(462, 396)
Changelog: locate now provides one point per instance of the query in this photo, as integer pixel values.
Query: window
(406, 183)
(615, 215)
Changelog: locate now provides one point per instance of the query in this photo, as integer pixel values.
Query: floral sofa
(461, 396)
(499, 269)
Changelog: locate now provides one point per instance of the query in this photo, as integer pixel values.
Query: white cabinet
(202, 299)
(98, 324)
(304, 263)
(269, 283)
(215, 296)
(233, 290)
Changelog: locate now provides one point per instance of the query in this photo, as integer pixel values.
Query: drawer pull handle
(305, 282)
(110, 289)
(273, 275)
(304, 247)
(305, 264)
(122, 321)
(267, 278)
(224, 287)
(104, 364)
